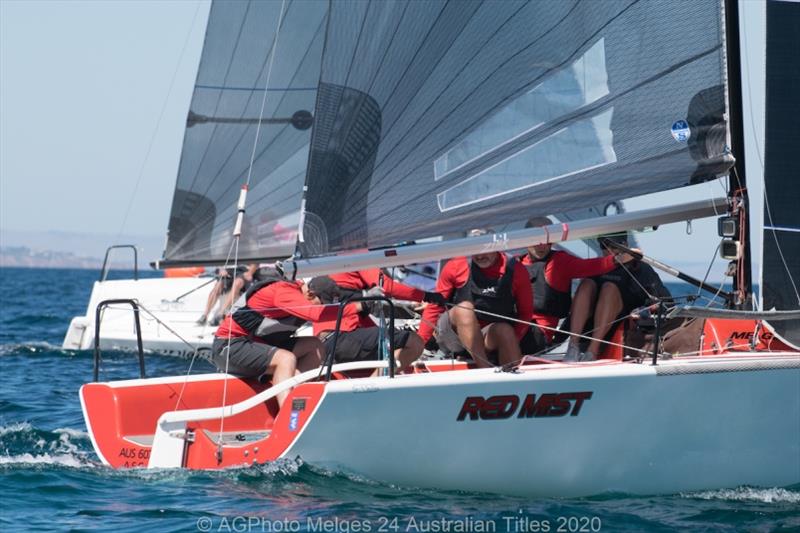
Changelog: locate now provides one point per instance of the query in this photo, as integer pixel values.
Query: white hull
(689, 424)
(156, 295)
(712, 423)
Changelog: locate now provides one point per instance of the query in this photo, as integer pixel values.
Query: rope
(247, 185)
(185, 380)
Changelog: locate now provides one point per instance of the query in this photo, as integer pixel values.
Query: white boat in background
(434, 117)
(155, 314)
(168, 325)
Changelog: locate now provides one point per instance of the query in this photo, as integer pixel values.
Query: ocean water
(50, 478)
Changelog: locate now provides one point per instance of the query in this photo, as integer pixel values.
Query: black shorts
(533, 342)
(361, 344)
(631, 293)
(247, 358)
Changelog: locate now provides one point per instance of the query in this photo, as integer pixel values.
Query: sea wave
(22, 443)
(46, 459)
(37, 347)
(748, 494)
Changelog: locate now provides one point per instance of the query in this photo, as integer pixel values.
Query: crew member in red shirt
(551, 273)
(258, 339)
(489, 282)
(359, 342)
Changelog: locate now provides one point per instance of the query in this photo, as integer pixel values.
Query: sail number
(134, 456)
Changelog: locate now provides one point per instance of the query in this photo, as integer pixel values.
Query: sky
(93, 100)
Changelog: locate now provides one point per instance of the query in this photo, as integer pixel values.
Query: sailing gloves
(434, 298)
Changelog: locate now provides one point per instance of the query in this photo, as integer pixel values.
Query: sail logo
(681, 131)
(531, 406)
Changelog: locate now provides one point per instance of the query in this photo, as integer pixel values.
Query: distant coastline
(68, 249)
(23, 257)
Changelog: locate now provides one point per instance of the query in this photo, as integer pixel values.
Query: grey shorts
(247, 358)
(447, 338)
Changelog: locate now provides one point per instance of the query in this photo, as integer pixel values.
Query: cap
(325, 288)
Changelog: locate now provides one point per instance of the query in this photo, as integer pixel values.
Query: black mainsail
(241, 60)
(781, 259)
(434, 116)
(427, 118)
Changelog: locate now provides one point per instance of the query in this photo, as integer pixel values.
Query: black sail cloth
(433, 117)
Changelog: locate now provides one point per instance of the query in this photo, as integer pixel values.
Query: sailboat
(406, 121)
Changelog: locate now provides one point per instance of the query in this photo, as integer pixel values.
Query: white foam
(60, 459)
(748, 494)
(16, 427)
(32, 347)
(72, 433)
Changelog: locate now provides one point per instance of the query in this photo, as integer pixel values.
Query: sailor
(609, 297)
(258, 339)
(229, 285)
(486, 293)
(360, 342)
(551, 273)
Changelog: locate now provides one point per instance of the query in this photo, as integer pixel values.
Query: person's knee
(609, 293)
(503, 331)
(414, 344)
(463, 313)
(283, 359)
(504, 328)
(587, 287)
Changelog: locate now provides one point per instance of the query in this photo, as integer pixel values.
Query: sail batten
(429, 118)
(488, 113)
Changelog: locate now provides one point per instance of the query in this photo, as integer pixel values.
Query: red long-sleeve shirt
(455, 275)
(367, 279)
(561, 269)
(283, 299)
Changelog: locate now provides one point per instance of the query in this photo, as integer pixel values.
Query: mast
(736, 177)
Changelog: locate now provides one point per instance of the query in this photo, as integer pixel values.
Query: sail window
(581, 146)
(578, 84)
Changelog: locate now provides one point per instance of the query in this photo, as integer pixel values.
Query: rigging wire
(708, 271)
(234, 244)
(158, 124)
(237, 227)
(266, 90)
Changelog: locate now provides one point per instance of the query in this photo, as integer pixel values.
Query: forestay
(435, 116)
(237, 60)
